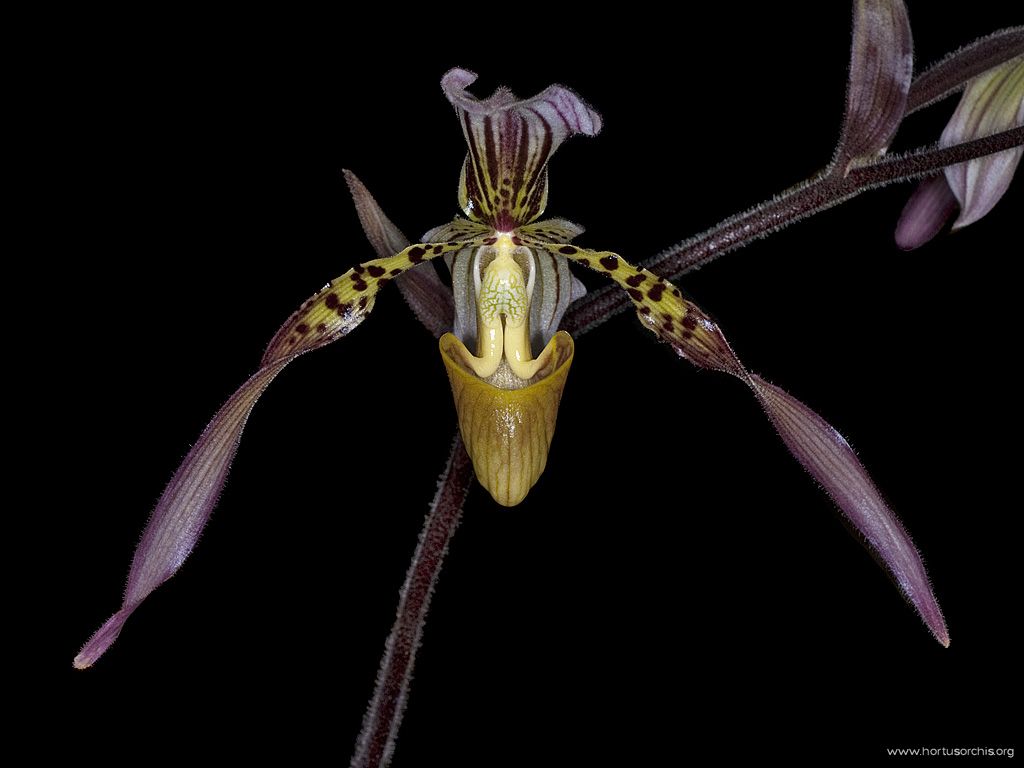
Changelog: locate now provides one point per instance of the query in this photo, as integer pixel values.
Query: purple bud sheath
(929, 208)
(881, 68)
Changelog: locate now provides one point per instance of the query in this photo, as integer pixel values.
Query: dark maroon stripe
(473, 184)
(492, 152)
(570, 127)
(532, 206)
(522, 153)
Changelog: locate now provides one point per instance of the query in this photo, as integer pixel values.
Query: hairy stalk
(376, 740)
(952, 73)
(830, 188)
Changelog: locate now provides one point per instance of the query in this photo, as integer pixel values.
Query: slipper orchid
(504, 328)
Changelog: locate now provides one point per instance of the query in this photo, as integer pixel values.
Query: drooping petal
(991, 103)
(929, 208)
(508, 431)
(184, 508)
(881, 67)
(830, 460)
(819, 448)
(428, 298)
(189, 499)
(504, 179)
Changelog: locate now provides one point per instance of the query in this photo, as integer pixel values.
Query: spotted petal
(187, 502)
(428, 298)
(345, 302)
(504, 178)
(812, 441)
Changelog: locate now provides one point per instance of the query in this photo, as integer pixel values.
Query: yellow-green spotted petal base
(507, 423)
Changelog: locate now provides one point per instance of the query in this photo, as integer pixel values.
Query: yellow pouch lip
(507, 424)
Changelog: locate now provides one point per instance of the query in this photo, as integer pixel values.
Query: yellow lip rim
(508, 431)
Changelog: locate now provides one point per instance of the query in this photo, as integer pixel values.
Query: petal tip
(102, 639)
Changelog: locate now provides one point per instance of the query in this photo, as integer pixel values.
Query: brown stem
(953, 72)
(376, 740)
(824, 191)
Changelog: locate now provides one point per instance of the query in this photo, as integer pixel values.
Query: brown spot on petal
(396, 271)
(302, 328)
(375, 271)
(331, 300)
(321, 327)
(416, 255)
(655, 292)
(568, 250)
(610, 263)
(635, 295)
(359, 285)
(635, 280)
(689, 323)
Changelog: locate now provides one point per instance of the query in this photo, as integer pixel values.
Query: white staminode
(503, 296)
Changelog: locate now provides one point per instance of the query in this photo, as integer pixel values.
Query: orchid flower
(993, 101)
(507, 326)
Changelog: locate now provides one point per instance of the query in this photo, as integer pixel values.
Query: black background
(674, 589)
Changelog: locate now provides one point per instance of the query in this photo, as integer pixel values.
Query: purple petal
(186, 504)
(980, 184)
(183, 509)
(826, 455)
(929, 208)
(428, 298)
(881, 67)
(504, 179)
(819, 448)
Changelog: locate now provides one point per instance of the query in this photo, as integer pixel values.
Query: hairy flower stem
(952, 73)
(830, 188)
(376, 740)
